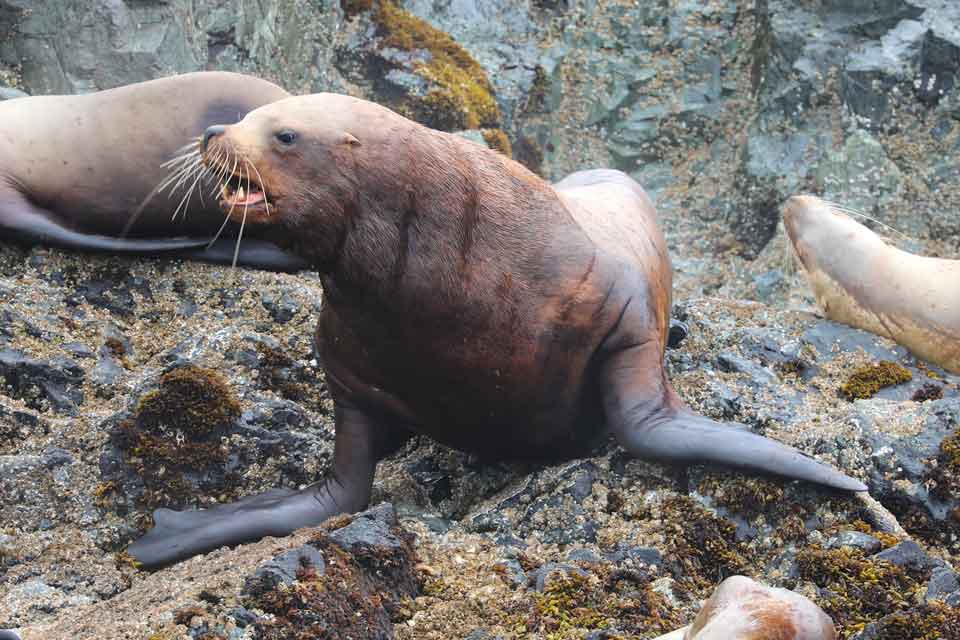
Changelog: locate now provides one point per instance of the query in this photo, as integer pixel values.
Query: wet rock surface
(721, 109)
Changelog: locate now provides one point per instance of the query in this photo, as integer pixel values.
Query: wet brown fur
(464, 299)
(455, 278)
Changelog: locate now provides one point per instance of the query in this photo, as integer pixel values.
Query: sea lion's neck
(438, 216)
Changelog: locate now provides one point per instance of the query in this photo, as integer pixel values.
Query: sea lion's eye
(286, 137)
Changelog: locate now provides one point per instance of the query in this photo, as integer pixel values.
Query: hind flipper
(24, 220)
(650, 421)
(254, 254)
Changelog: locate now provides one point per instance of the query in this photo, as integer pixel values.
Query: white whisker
(263, 187)
(853, 212)
(243, 222)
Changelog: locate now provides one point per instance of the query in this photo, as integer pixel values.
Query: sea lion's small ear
(351, 140)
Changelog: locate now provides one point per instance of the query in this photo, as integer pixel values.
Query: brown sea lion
(465, 299)
(74, 168)
(742, 609)
(860, 280)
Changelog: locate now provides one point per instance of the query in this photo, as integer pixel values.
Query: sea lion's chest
(508, 379)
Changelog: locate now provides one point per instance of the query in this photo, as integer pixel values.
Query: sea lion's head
(300, 163)
(824, 236)
(288, 155)
(742, 608)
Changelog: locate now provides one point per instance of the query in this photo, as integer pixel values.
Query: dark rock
(371, 559)
(113, 291)
(56, 457)
(906, 554)
(282, 308)
(242, 616)
(904, 480)
(14, 422)
(78, 350)
(284, 568)
(678, 332)
(435, 523)
(105, 375)
(831, 339)
(628, 553)
(511, 569)
(769, 283)
(584, 555)
(760, 376)
(480, 634)
(57, 381)
(939, 67)
(372, 528)
(489, 523)
(435, 481)
(944, 582)
(723, 401)
(855, 539)
(539, 578)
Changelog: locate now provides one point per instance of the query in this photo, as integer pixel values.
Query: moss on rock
(460, 94)
(946, 473)
(933, 621)
(705, 547)
(171, 441)
(856, 590)
(191, 399)
(497, 140)
(867, 381)
(360, 593)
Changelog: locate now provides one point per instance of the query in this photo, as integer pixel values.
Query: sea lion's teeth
(241, 195)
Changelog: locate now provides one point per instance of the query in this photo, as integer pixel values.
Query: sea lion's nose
(212, 132)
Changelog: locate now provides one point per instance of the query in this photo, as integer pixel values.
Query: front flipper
(360, 443)
(650, 421)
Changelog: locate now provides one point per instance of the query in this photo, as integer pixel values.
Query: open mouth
(242, 191)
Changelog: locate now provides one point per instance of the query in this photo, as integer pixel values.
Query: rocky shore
(129, 384)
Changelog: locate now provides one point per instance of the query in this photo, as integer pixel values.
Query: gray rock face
(110, 43)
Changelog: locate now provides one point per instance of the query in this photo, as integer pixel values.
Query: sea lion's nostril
(212, 132)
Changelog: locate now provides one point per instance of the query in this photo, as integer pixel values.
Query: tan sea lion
(742, 609)
(74, 168)
(860, 280)
(465, 299)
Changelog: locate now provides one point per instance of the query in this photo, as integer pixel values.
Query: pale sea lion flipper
(360, 443)
(21, 219)
(650, 421)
